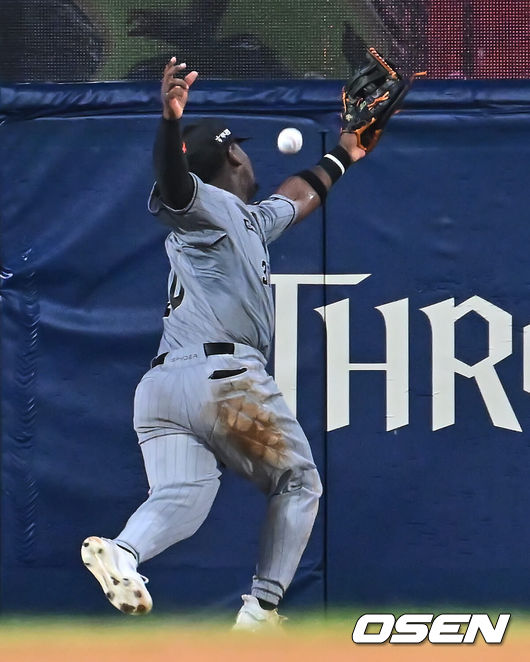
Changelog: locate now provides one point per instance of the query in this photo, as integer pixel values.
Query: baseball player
(207, 402)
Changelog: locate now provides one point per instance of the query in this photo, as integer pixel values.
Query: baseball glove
(370, 98)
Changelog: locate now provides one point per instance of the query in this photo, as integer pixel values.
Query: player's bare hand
(174, 92)
(349, 142)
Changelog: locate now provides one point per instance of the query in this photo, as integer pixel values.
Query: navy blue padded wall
(436, 516)
(82, 318)
(436, 212)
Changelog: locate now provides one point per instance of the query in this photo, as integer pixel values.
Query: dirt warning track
(107, 645)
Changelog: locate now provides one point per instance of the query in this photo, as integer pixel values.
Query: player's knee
(196, 500)
(315, 484)
(294, 480)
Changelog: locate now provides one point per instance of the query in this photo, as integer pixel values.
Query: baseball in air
(290, 141)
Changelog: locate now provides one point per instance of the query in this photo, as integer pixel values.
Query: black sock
(266, 605)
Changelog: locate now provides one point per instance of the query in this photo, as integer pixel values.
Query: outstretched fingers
(191, 78)
(169, 81)
(175, 88)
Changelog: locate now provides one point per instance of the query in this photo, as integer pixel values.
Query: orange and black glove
(370, 98)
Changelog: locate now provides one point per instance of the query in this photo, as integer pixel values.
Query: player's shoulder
(274, 215)
(204, 197)
(275, 205)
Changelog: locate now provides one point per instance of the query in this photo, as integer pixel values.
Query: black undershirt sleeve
(175, 184)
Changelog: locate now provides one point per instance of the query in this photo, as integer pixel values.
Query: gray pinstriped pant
(188, 423)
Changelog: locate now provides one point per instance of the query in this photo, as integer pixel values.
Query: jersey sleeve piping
(282, 197)
(155, 210)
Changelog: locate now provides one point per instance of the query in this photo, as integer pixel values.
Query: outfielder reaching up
(207, 400)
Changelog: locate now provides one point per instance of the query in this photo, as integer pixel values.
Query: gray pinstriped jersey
(219, 284)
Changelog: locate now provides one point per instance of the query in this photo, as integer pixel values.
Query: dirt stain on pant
(250, 424)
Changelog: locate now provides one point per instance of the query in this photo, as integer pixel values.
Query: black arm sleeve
(171, 168)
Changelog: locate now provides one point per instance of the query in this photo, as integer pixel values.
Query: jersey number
(265, 279)
(176, 294)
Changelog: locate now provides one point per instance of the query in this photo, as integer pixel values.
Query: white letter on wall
(286, 324)
(336, 318)
(445, 365)
(526, 359)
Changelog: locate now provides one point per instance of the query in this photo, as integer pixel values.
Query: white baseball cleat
(252, 617)
(115, 570)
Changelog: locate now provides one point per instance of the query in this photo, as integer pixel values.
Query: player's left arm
(308, 191)
(174, 183)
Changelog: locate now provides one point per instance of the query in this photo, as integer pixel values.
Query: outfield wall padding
(409, 377)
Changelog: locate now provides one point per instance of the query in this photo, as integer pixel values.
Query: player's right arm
(372, 95)
(308, 191)
(301, 194)
(174, 183)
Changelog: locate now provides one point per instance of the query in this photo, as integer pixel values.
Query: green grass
(339, 621)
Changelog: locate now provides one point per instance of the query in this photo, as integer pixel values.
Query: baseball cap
(205, 144)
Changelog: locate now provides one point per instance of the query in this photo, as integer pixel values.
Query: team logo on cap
(224, 134)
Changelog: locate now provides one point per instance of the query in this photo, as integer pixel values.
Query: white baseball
(290, 141)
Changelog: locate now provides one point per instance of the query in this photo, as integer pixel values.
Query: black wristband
(315, 182)
(335, 163)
